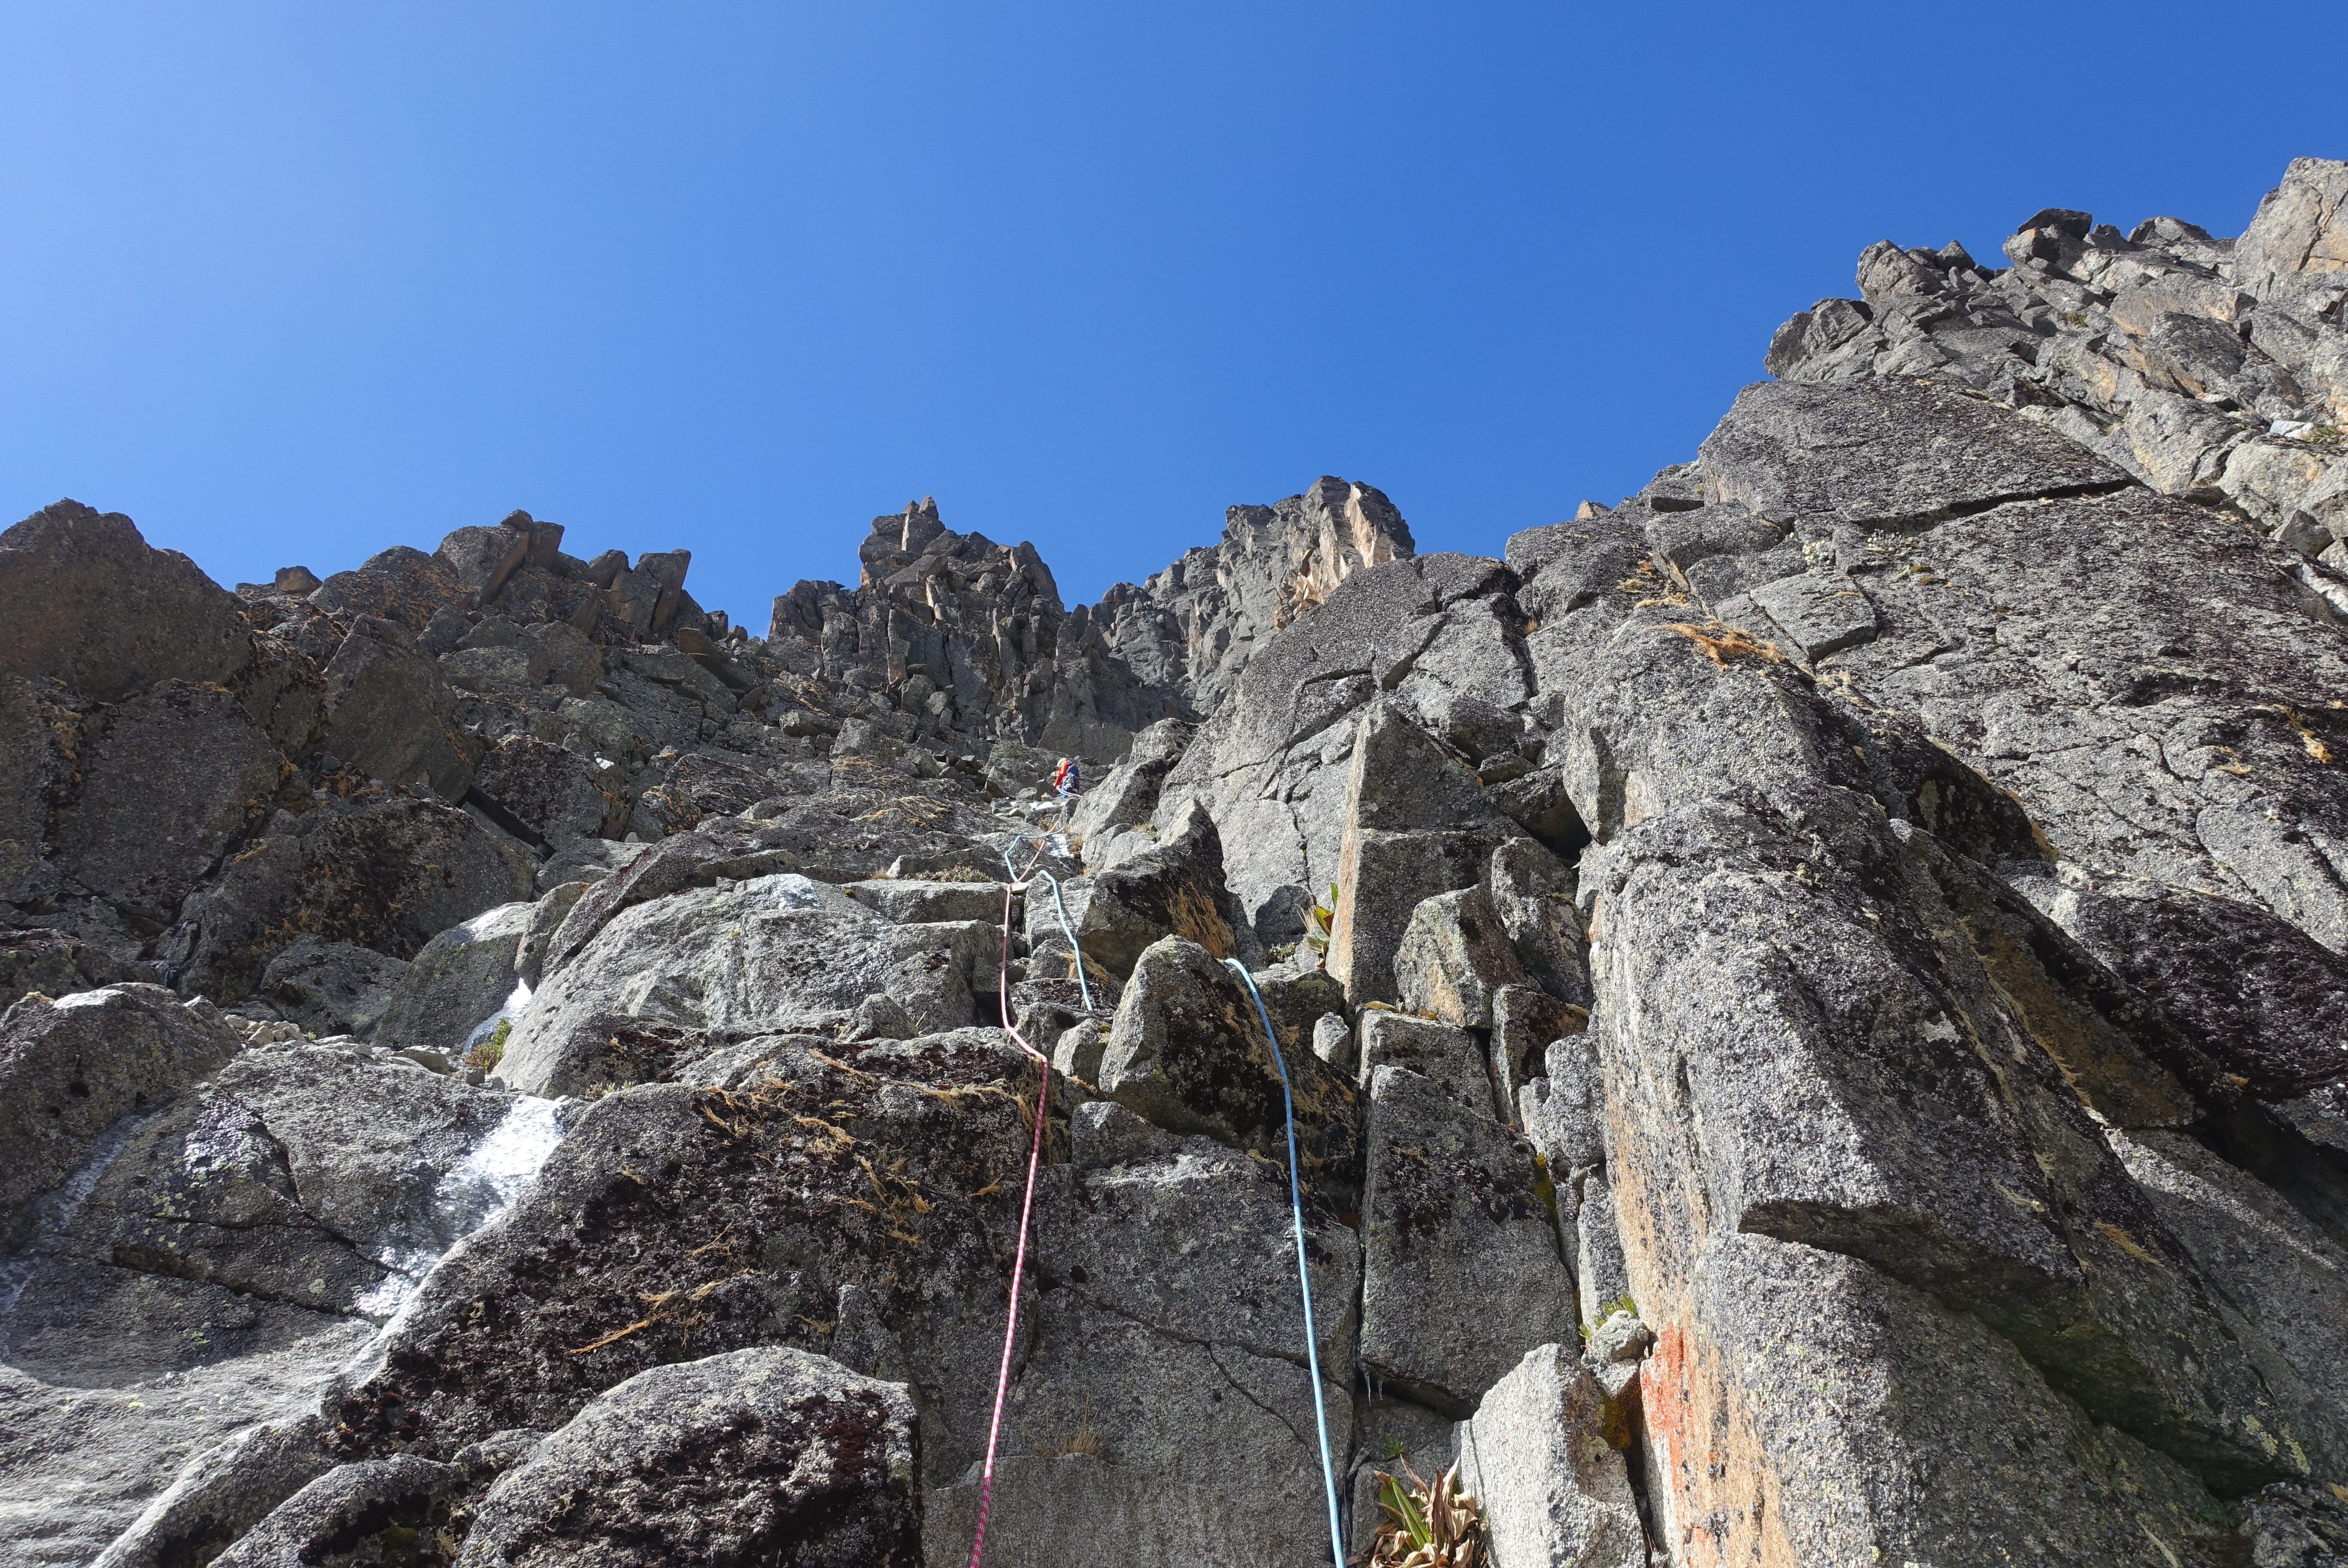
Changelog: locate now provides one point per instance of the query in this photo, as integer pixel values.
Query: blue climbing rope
(1083, 986)
(1303, 1278)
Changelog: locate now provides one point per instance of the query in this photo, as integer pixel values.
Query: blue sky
(294, 283)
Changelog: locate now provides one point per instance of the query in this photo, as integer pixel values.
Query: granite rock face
(2206, 367)
(1806, 1006)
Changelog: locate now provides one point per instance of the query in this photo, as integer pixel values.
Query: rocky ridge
(1830, 1044)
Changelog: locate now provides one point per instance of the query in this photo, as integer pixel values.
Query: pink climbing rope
(1026, 1204)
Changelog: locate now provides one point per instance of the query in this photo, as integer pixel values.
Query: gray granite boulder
(1186, 1050)
(1886, 454)
(70, 1069)
(1414, 826)
(1541, 1458)
(1460, 1272)
(1175, 888)
(401, 585)
(382, 871)
(553, 793)
(90, 602)
(1451, 1059)
(388, 712)
(773, 955)
(694, 1221)
(353, 1514)
(460, 977)
(1453, 958)
(222, 1494)
(755, 1456)
(332, 988)
(1994, 1191)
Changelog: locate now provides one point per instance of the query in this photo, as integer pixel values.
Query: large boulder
(1460, 1270)
(459, 978)
(1173, 889)
(400, 584)
(332, 988)
(554, 793)
(1126, 798)
(1886, 454)
(483, 558)
(381, 870)
(70, 1069)
(261, 1208)
(88, 602)
(1455, 959)
(354, 1513)
(388, 713)
(172, 778)
(1414, 827)
(677, 1221)
(1451, 1059)
(1541, 1459)
(1188, 1051)
(758, 1456)
(774, 954)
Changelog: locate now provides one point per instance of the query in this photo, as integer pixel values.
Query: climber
(1066, 778)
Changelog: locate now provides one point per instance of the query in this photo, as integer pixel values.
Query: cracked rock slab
(1886, 453)
(1820, 615)
(1461, 1274)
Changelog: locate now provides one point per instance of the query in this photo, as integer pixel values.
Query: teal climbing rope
(1304, 1276)
(1059, 904)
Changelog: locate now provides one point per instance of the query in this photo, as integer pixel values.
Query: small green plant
(1426, 1525)
(2322, 435)
(1318, 923)
(1391, 1449)
(490, 1049)
(1619, 1304)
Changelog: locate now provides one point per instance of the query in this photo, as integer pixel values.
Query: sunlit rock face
(1806, 1008)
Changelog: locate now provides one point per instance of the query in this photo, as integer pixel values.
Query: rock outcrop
(1808, 1006)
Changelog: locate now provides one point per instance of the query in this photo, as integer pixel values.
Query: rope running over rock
(1303, 1278)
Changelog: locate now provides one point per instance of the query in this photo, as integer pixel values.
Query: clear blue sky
(294, 283)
